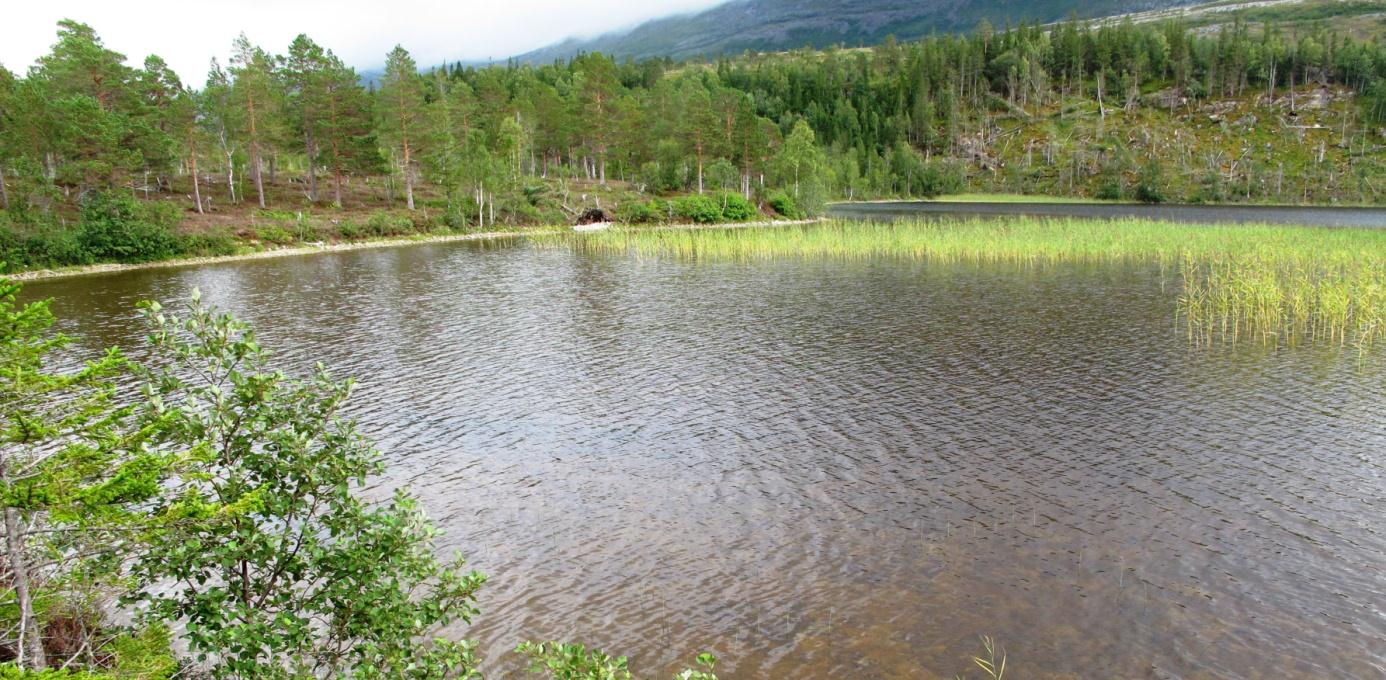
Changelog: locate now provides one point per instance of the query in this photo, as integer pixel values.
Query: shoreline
(390, 242)
(287, 251)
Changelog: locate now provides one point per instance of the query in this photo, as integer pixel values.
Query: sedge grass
(1270, 282)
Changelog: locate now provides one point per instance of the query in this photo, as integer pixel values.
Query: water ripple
(844, 469)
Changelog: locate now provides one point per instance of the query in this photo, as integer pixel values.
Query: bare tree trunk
(1101, 108)
(31, 637)
(408, 177)
(1292, 89)
(197, 192)
(4, 192)
(231, 176)
(700, 172)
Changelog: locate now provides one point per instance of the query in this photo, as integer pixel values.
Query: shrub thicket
(698, 208)
(735, 207)
(119, 228)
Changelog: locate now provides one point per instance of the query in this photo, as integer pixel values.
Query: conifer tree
(252, 70)
(401, 110)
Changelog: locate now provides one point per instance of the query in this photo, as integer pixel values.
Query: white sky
(188, 33)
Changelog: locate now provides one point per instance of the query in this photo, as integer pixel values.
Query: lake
(843, 469)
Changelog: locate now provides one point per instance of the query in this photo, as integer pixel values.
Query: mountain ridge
(772, 25)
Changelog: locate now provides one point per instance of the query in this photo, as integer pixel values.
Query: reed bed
(1272, 283)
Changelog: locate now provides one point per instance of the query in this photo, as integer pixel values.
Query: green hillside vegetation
(104, 162)
(1360, 19)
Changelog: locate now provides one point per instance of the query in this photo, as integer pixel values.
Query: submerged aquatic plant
(1270, 283)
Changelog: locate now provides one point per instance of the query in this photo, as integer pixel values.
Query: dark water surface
(845, 469)
(1373, 218)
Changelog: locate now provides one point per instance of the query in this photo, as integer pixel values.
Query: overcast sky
(188, 34)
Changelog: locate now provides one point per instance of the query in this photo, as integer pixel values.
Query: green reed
(1267, 282)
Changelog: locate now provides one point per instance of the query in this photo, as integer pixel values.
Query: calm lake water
(844, 469)
(1373, 218)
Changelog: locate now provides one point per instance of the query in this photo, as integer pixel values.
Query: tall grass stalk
(1271, 283)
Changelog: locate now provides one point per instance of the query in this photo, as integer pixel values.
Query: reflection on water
(844, 469)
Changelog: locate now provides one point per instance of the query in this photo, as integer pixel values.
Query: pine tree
(305, 75)
(597, 87)
(253, 86)
(347, 126)
(401, 110)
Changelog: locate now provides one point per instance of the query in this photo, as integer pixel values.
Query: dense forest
(90, 146)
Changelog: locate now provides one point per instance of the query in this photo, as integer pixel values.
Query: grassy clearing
(1268, 282)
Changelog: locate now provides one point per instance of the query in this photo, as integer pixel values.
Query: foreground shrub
(350, 229)
(699, 209)
(267, 555)
(637, 212)
(1109, 189)
(735, 207)
(388, 224)
(210, 244)
(43, 245)
(273, 233)
(119, 228)
(784, 204)
(1150, 188)
(940, 177)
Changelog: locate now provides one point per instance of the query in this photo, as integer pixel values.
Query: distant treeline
(897, 119)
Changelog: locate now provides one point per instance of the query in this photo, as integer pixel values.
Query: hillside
(767, 25)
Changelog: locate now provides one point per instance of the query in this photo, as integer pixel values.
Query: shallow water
(844, 469)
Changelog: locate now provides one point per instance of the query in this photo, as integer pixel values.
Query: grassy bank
(1266, 282)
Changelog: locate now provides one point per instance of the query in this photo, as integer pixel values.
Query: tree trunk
(337, 186)
(700, 171)
(310, 147)
(31, 637)
(4, 193)
(408, 177)
(255, 169)
(197, 192)
(257, 174)
(231, 176)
